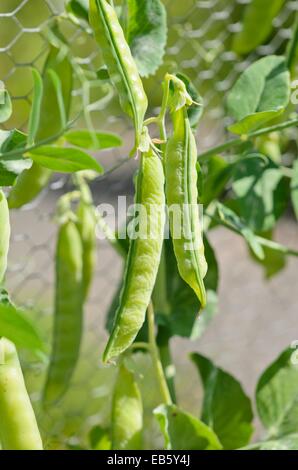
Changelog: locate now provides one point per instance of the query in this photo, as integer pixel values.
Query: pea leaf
(5, 104)
(16, 327)
(274, 260)
(176, 305)
(182, 431)
(262, 193)
(257, 24)
(10, 169)
(34, 117)
(277, 395)
(226, 408)
(294, 188)
(64, 160)
(12, 166)
(92, 140)
(145, 26)
(216, 174)
(231, 220)
(79, 8)
(195, 111)
(259, 95)
(11, 140)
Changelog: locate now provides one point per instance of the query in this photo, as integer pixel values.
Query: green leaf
(5, 104)
(277, 395)
(179, 311)
(257, 24)
(127, 412)
(92, 140)
(226, 408)
(216, 174)
(182, 431)
(11, 167)
(34, 117)
(231, 220)
(100, 439)
(260, 94)
(294, 188)
(15, 326)
(79, 8)
(195, 111)
(254, 121)
(274, 260)
(11, 140)
(64, 160)
(145, 26)
(262, 193)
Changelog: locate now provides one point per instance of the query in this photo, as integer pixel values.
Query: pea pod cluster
(4, 234)
(18, 427)
(143, 257)
(30, 182)
(120, 63)
(182, 196)
(68, 312)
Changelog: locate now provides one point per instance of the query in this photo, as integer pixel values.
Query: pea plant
(169, 283)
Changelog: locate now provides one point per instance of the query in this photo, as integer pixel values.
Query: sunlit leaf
(92, 140)
(260, 94)
(145, 27)
(226, 408)
(182, 431)
(64, 159)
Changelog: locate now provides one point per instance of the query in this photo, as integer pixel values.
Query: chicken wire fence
(199, 44)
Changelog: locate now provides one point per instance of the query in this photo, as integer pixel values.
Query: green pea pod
(182, 200)
(18, 427)
(87, 226)
(31, 182)
(143, 257)
(120, 63)
(127, 413)
(4, 234)
(68, 312)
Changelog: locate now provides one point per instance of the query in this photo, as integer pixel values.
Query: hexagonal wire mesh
(199, 44)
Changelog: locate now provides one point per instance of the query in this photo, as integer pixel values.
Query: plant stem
(166, 397)
(163, 343)
(240, 140)
(140, 345)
